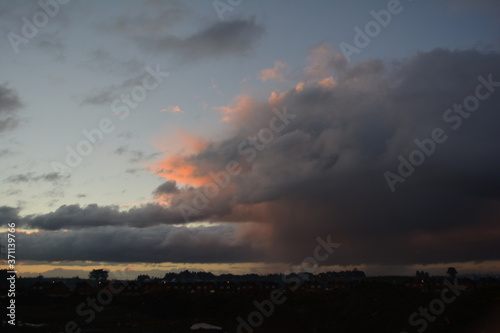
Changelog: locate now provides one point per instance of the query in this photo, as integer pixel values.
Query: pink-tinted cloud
(300, 86)
(240, 106)
(277, 72)
(323, 59)
(172, 108)
(276, 98)
(328, 82)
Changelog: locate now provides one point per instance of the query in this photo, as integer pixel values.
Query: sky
(238, 136)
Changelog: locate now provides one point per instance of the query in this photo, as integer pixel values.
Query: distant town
(206, 282)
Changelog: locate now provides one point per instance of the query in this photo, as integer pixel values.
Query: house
(204, 287)
(311, 286)
(84, 288)
(467, 284)
(247, 287)
(420, 285)
(167, 286)
(132, 288)
(39, 288)
(58, 289)
(113, 286)
(438, 284)
(270, 285)
(337, 285)
(489, 282)
(181, 286)
(154, 287)
(226, 286)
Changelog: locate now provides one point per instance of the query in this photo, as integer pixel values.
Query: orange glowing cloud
(275, 99)
(173, 108)
(163, 199)
(241, 105)
(329, 82)
(273, 73)
(180, 169)
(300, 86)
(178, 166)
(192, 143)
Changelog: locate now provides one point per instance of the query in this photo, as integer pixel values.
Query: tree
(99, 275)
(422, 275)
(143, 277)
(452, 272)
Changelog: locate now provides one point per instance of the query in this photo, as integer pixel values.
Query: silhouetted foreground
(355, 304)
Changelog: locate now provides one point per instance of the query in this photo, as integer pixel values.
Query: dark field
(368, 307)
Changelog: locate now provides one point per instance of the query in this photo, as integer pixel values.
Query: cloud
(9, 104)
(6, 152)
(106, 95)
(173, 244)
(322, 60)
(321, 174)
(300, 86)
(172, 108)
(53, 177)
(275, 98)
(152, 18)
(273, 73)
(168, 187)
(101, 60)
(236, 37)
(215, 87)
(8, 215)
(328, 82)
(135, 156)
(50, 40)
(240, 105)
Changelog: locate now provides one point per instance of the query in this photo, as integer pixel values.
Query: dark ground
(370, 307)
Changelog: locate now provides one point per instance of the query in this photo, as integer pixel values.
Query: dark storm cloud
(156, 244)
(8, 215)
(9, 104)
(323, 173)
(76, 217)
